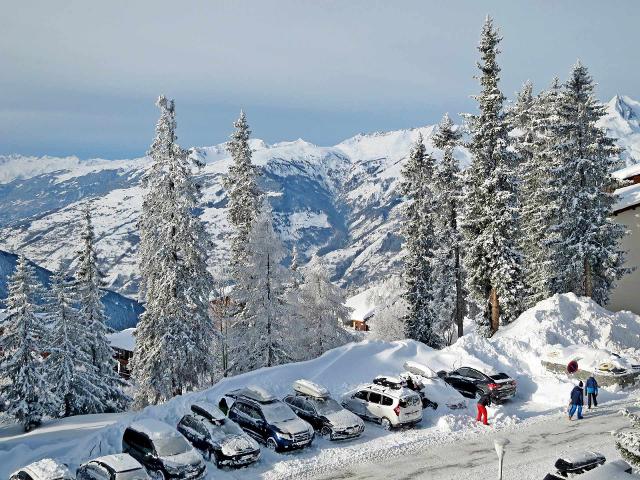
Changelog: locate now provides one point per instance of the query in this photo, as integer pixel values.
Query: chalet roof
(361, 307)
(124, 340)
(628, 197)
(628, 172)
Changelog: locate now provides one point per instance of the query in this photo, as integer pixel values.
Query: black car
(471, 382)
(269, 420)
(312, 403)
(219, 438)
(570, 465)
(163, 451)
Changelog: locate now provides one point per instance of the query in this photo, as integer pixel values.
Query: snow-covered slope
(340, 203)
(562, 320)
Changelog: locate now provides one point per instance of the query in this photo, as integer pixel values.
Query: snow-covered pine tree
(448, 281)
(628, 441)
(242, 189)
(492, 260)
(540, 201)
(320, 313)
(24, 392)
(294, 268)
(588, 256)
(261, 334)
(175, 336)
(417, 176)
(75, 383)
(93, 319)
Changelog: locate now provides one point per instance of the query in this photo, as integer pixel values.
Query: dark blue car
(269, 420)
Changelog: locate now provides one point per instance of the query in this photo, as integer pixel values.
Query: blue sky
(81, 77)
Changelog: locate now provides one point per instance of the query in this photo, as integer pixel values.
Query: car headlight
(284, 436)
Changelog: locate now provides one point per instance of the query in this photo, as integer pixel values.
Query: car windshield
(327, 406)
(499, 376)
(166, 447)
(275, 412)
(230, 428)
(134, 474)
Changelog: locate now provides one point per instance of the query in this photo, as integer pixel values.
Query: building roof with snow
(361, 306)
(124, 340)
(628, 198)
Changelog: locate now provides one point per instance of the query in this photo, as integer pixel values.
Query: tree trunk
(459, 313)
(588, 279)
(495, 310)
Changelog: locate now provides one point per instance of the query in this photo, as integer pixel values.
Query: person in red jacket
(483, 402)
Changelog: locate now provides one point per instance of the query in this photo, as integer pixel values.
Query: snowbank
(558, 322)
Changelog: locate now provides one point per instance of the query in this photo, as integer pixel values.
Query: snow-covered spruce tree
(242, 189)
(175, 336)
(261, 336)
(75, 383)
(417, 176)
(448, 282)
(588, 256)
(628, 441)
(294, 268)
(93, 319)
(492, 260)
(24, 392)
(320, 313)
(540, 200)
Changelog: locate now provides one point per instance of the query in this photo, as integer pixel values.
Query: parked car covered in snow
(120, 466)
(471, 382)
(313, 403)
(163, 451)
(45, 469)
(269, 420)
(577, 463)
(220, 438)
(390, 406)
(433, 390)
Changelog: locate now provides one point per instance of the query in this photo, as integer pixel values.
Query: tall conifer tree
(175, 336)
(490, 227)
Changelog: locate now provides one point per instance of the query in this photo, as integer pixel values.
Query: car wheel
(385, 423)
(272, 444)
(158, 475)
(325, 432)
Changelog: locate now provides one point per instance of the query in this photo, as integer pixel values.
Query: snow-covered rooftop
(124, 340)
(119, 462)
(627, 197)
(627, 172)
(361, 306)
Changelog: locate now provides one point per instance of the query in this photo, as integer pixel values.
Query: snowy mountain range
(339, 203)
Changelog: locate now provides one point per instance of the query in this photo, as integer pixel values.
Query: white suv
(388, 406)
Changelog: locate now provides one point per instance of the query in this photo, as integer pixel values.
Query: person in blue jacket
(577, 400)
(592, 391)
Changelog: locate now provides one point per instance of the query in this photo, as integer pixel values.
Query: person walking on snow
(483, 402)
(592, 391)
(577, 400)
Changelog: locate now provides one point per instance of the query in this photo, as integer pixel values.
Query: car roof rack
(394, 383)
(310, 389)
(252, 392)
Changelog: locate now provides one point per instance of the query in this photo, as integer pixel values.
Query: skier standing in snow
(577, 401)
(592, 391)
(483, 402)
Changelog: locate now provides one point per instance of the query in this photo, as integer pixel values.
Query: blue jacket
(592, 384)
(577, 396)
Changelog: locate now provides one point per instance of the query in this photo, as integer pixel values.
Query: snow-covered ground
(561, 321)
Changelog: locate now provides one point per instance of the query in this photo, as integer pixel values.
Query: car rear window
(409, 401)
(387, 401)
(499, 376)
